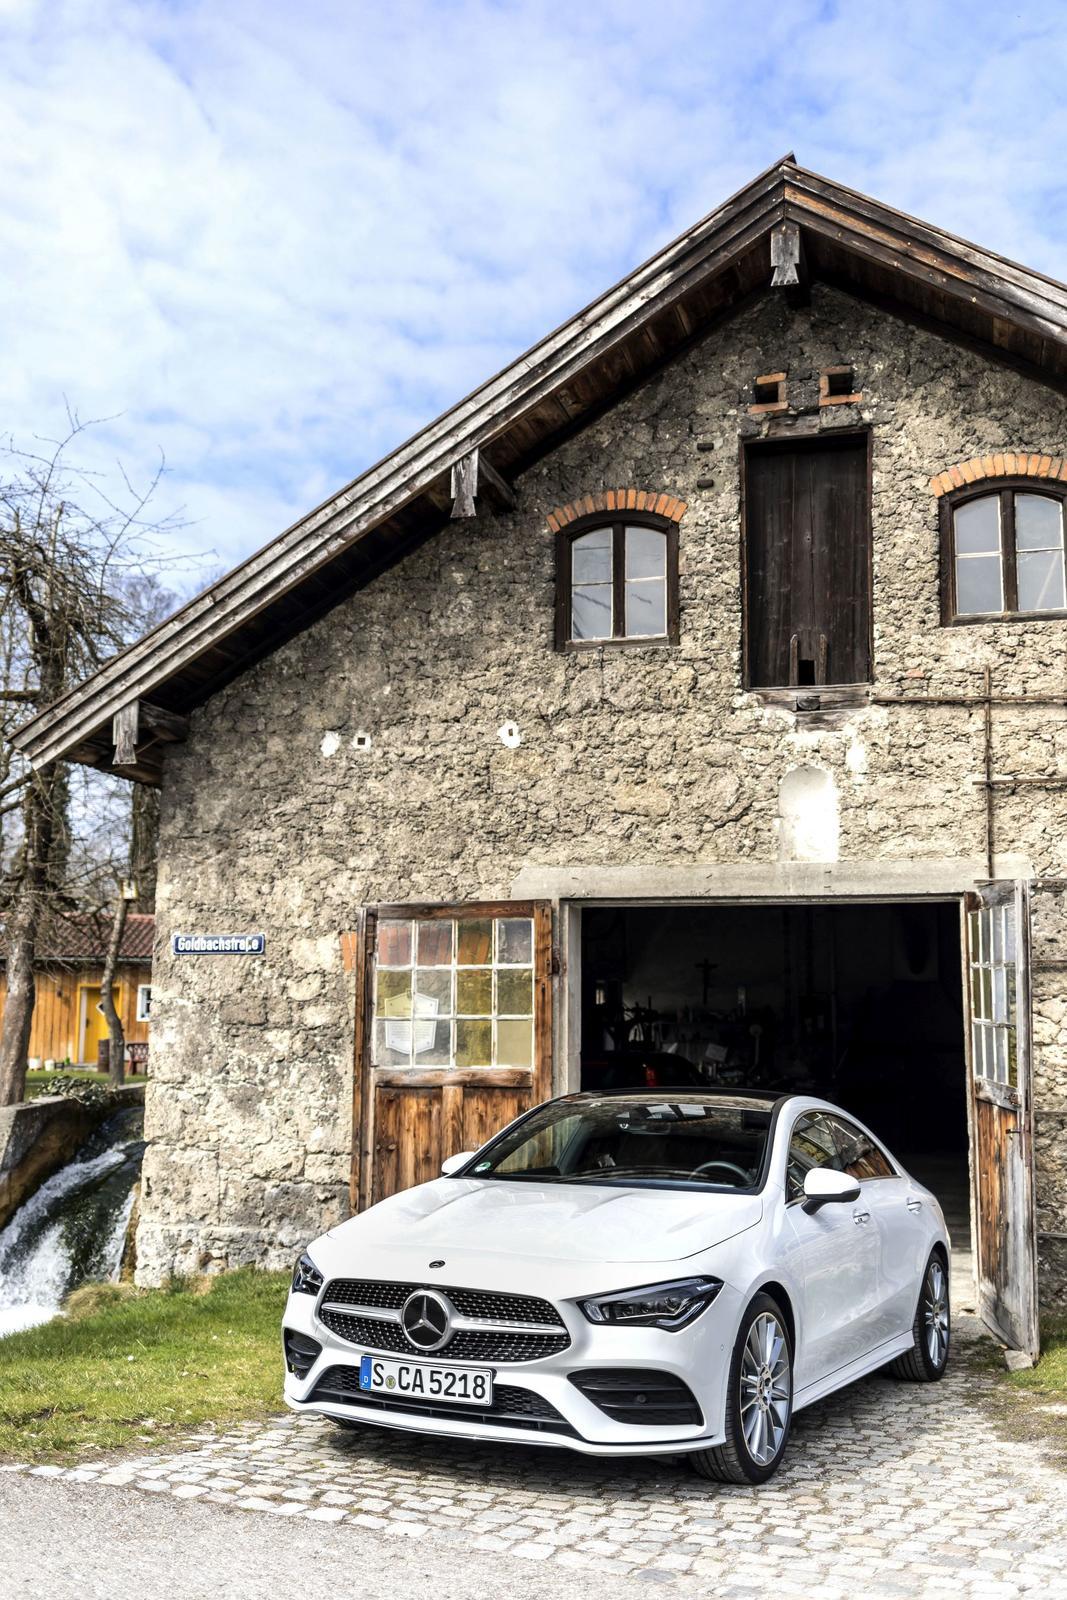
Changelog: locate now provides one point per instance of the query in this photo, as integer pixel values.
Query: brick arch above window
(1006, 464)
(614, 500)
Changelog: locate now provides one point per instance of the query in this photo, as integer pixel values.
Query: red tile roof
(83, 936)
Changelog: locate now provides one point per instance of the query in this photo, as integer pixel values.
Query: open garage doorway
(861, 1004)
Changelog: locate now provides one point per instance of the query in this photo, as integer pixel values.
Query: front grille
(466, 1344)
(515, 1408)
(639, 1396)
(301, 1353)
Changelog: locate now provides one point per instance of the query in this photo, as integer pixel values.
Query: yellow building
(68, 1023)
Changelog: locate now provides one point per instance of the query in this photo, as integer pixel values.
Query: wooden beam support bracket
(465, 485)
(789, 267)
(470, 474)
(141, 724)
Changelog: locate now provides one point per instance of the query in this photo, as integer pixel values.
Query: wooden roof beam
(138, 723)
(470, 474)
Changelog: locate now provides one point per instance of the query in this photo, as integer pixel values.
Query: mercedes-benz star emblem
(426, 1318)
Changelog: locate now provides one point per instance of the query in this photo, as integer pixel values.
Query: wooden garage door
(454, 1032)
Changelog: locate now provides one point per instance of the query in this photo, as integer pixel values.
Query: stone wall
(276, 816)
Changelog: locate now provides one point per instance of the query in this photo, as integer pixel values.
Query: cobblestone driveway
(891, 1489)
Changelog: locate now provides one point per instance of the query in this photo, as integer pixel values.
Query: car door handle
(860, 1217)
(914, 1205)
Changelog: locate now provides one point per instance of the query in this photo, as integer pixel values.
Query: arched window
(1003, 552)
(617, 582)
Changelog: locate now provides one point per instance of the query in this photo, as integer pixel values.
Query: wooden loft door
(453, 1034)
(808, 562)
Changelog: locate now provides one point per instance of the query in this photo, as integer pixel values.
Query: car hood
(547, 1221)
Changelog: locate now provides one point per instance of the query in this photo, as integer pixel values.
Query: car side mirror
(454, 1163)
(825, 1186)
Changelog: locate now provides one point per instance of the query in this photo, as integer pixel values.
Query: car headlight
(660, 1305)
(307, 1279)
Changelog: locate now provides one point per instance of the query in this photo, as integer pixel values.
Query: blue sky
(272, 240)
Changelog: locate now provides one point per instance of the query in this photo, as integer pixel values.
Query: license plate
(418, 1380)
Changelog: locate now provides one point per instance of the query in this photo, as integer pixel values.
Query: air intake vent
(301, 1353)
(512, 1407)
(636, 1396)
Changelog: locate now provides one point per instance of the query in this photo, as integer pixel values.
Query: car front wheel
(759, 1400)
(926, 1361)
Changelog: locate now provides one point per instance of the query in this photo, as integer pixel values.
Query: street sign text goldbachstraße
(218, 944)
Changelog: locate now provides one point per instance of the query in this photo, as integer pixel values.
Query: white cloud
(274, 240)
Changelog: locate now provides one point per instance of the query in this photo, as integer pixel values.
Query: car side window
(812, 1145)
(861, 1158)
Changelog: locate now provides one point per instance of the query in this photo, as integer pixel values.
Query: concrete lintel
(766, 880)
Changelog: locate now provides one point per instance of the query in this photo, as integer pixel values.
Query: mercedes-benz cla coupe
(632, 1273)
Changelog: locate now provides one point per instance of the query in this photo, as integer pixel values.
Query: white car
(634, 1273)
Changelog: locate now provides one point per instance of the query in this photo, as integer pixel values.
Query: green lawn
(127, 1366)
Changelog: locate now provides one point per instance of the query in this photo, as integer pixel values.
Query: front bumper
(698, 1355)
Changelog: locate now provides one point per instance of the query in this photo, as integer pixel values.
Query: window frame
(841, 1120)
(617, 522)
(1005, 489)
(141, 1012)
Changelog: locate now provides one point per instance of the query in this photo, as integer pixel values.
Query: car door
(834, 1252)
(896, 1222)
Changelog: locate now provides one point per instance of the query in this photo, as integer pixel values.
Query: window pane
(433, 1044)
(646, 553)
(435, 943)
(514, 1044)
(514, 991)
(434, 986)
(1038, 523)
(646, 609)
(591, 557)
(475, 943)
(1040, 580)
(514, 941)
(977, 525)
(392, 1044)
(394, 994)
(394, 944)
(474, 993)
(591, 612)
(978, 585)
(474, 1044)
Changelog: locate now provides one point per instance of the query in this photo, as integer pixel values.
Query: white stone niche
(809, 822)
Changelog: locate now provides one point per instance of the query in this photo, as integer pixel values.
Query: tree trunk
(116, 1057)
(144, 843)
(23, 922)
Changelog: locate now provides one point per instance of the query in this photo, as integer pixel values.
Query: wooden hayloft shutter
(807, 557)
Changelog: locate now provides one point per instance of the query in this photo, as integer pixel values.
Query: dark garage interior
(860, 1004)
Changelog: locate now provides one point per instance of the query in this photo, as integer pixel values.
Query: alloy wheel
(766, 1388)
(935, 1313)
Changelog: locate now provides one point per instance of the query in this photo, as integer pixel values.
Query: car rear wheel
(926, 1361)
(759, 1400)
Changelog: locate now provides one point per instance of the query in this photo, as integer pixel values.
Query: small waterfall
(71, 1230)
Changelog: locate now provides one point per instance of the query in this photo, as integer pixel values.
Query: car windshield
(691, 1141)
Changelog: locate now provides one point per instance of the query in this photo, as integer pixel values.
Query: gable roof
(83, 937)
(710, 270)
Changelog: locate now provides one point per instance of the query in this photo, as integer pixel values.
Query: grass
(125, 1366)
(40, 1082)
(1049, 1377)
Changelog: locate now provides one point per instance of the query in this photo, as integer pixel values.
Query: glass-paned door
(454, 1037)
(998, 994)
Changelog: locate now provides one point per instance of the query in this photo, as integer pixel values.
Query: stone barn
(688, 703)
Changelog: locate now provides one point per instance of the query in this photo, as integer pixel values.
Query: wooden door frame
(358, 950)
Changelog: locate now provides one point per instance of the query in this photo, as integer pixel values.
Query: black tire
(735, 1461)
(931, 1328)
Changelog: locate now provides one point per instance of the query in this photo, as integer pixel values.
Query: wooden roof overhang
(833, 234)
